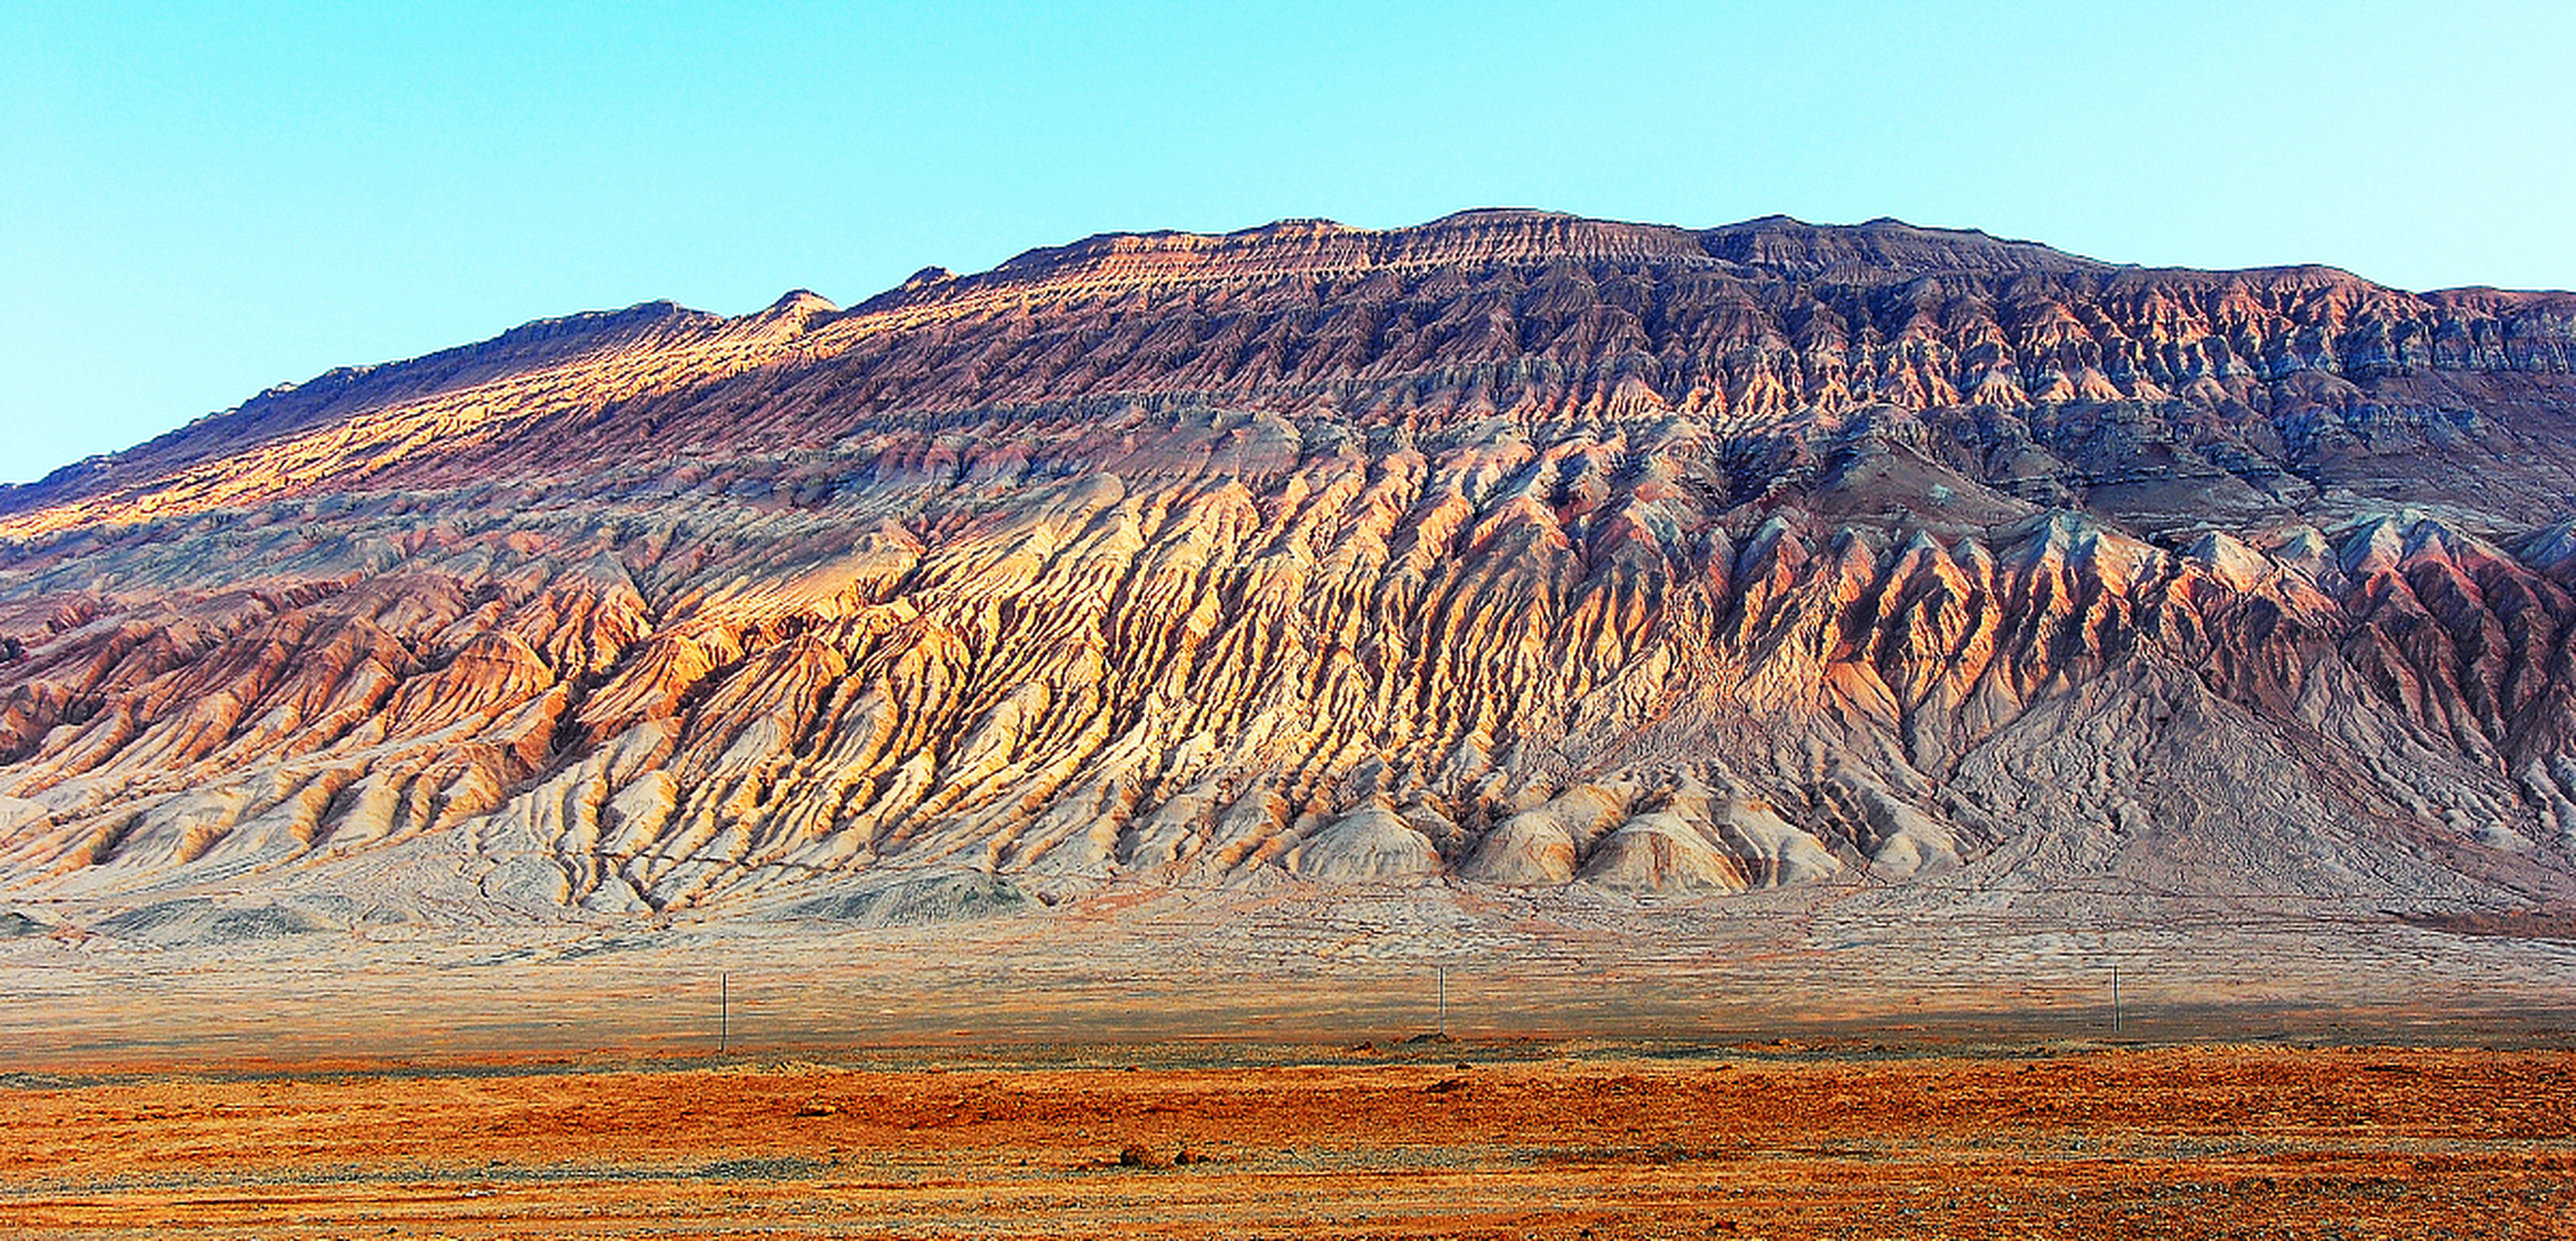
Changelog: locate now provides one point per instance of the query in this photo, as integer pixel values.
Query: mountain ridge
(1516, 551)
(293, 406)
(1953, 339)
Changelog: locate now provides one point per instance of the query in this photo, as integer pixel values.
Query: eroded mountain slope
(1513, 549)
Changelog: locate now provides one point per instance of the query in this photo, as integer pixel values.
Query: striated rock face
(1513, 549)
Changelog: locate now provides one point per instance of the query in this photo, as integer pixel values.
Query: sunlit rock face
(1514, 550)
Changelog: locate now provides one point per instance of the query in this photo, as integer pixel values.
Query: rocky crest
(1512, 549)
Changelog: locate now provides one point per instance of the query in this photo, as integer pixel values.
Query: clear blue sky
(200, 200)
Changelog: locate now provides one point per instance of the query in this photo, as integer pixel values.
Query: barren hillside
(1513, 550)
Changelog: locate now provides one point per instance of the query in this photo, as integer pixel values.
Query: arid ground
(1745, 1071)
(1481, 1138)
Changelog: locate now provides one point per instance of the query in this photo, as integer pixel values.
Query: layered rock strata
(1514, 549)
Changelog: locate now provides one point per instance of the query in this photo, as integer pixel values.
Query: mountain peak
(1485, 238)
(803, 301)
(1884, 247)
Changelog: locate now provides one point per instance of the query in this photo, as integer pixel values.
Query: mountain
(1513, 551)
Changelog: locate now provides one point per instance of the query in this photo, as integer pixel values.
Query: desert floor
(1751, 1068)
(1832, 1137)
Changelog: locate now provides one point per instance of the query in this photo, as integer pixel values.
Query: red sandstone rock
(1515, 547)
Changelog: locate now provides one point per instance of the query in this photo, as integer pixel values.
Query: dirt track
(1523, 1140)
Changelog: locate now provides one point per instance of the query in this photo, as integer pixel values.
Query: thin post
(724, 1010)
(2115, 999)
(1444, 1001)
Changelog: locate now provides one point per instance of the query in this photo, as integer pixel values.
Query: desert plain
(1511, 1138)
(1220, 1066)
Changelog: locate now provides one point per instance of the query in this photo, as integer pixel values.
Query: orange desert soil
(1467, 1140)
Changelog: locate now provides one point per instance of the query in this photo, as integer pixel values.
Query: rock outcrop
(1514, 549)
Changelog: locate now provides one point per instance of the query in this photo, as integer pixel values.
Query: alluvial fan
(1513, 549)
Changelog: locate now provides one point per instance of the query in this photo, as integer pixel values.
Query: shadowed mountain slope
(1511, 549)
